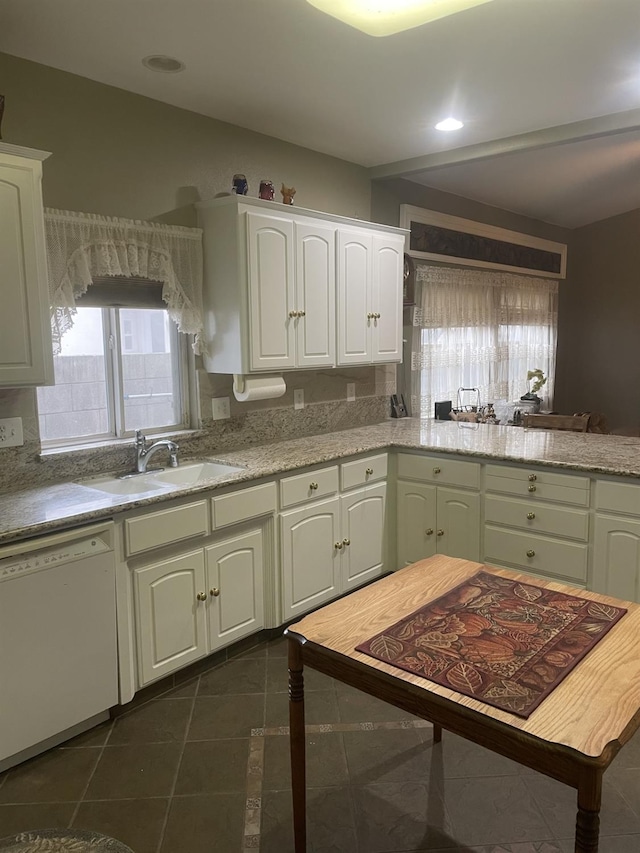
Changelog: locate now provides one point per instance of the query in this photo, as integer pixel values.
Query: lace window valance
(84, 246)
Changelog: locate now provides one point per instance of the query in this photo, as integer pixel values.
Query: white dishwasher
(58, 648)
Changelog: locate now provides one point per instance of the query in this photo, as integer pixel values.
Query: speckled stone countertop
(37, 511)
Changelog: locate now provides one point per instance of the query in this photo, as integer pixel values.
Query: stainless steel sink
(192, 473)
(188, 474)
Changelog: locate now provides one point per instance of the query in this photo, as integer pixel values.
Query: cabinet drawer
(165, 526)
(538, 517)
(242, 505)
(436, 469)
(364, 471)
(537, 484)
(550, 557)
(618, 497)
(308, 487)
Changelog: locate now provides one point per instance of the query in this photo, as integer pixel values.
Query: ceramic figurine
(267, 191)
(240, 185)
(287, 194)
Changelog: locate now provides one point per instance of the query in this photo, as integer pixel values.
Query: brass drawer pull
(440, 532)
(437, 470)
(532, 488)
(429, 531)
(370, 316)
(531, 516)
(531, 553)
(346, 542)
(338, 545)
(293, 313)
(215, 592)
(369, 472)
(201, 596)
(302, 313)
(313, 486)
(532, 478)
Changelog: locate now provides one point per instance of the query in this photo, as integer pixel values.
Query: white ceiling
(508, 68)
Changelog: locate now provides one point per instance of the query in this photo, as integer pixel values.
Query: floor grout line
(177, 773)
(91, 775)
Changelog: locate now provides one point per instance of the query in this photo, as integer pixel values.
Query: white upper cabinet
(270, 288)
(26, 356)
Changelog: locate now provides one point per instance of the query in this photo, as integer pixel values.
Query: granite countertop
(43, 510)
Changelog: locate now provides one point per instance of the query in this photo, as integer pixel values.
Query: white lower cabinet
(334, 545)
(616, 540)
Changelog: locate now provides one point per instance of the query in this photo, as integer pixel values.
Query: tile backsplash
(326, 410)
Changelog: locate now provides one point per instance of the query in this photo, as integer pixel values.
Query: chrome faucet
(144, 452)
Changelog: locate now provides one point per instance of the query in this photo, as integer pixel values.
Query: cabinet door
(362, 526)
(315, 295)
(310, 559)
(26, 357)
(171, 621)
(354, 296)
(234, 586)
(386, 299)
(271, 292)
(416, 522)
(616, 557)
(458, 523)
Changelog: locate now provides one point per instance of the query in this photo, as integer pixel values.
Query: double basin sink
(186, 474)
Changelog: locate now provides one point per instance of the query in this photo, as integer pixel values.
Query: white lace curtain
(480, 329)
(84, 246)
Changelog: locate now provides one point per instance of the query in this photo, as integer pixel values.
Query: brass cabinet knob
(302, 313)
(313, 486)
(377, 316)
(293, 313)
(532, 488)
(531, 516)
(532, 478)
(370, 316)
(369, 472)
(440, 532)
(437, 470)
(429, 531)
(201, 596)
(215, 592)
(338, 545)
(346, 542)
(531, 553)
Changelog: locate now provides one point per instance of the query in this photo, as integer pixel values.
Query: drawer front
(618, 497)
(538, 490)
(308, 487)
(364, 471)
(165, 526)
(436, 469)
(242, 505)
(549, 557)
(538, 517)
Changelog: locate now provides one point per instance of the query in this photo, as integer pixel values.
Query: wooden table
(572, 736)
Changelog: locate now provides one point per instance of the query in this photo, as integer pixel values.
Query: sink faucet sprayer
(144, 453)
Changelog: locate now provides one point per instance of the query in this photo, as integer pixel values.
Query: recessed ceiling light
(165, 64)
(386, 17)
(449, 124)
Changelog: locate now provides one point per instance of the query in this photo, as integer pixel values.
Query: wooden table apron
(308, 647)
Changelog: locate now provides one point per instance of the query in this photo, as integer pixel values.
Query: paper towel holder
(240, 385)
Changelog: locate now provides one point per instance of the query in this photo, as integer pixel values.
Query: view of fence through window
(88, 393)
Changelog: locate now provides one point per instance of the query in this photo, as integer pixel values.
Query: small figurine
(240, 185)
(287, 194)
(267, 192)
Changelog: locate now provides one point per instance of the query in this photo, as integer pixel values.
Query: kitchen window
(119, 369)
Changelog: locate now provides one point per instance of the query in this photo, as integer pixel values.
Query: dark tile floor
(204, 769)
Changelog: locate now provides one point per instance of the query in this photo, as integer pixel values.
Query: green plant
(539, 377)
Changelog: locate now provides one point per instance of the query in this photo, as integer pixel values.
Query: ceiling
(549, 90)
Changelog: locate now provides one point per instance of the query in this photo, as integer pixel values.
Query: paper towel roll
(263, 387)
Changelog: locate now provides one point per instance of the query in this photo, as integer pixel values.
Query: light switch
(298, 398)
(351, 392)
(220, 408)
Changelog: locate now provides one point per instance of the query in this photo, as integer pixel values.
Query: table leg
(297, 746)
(588, 820)
(437, 733)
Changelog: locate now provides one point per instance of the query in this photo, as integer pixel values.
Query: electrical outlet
(351, 392)
(298, 399)
(11, 432)
(221, 408)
